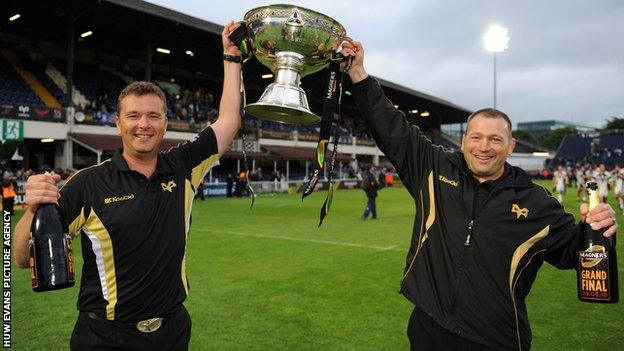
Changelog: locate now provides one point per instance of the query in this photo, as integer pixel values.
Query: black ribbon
(331, 102)
(240, 38)
(252, 194)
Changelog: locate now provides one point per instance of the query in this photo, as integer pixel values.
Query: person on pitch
(482, 228)
(560, 179)
(133, 214)
(618, 187)
(602, 178)
(370, 185)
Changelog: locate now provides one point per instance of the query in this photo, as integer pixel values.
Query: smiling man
(487, 143)
(482, 229)
(132, 213)
(141, 136)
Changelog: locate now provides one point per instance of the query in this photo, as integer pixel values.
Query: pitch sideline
(326, 242)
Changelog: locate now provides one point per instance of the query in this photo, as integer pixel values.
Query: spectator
(389, 178)
(8, 192)
(370, 186)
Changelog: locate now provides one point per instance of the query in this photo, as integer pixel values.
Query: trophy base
(285, 103)
(282, 113)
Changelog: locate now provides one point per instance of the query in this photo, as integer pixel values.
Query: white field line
(326, 242)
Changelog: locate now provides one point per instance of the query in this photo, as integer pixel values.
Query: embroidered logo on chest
(519, 211)
(448, 181)
(112, 199)
(168, 186)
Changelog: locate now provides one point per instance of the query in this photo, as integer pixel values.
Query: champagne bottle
(51, 259)
(597, 279)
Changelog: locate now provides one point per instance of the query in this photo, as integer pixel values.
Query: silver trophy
(293, 42)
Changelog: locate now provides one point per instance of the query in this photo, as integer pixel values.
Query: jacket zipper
(469, 232)
(470, 227)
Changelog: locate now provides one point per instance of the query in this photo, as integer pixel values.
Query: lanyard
(241, 132)
(331, 102)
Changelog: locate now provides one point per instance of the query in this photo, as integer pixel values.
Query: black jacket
(370, 184)
(469, 269)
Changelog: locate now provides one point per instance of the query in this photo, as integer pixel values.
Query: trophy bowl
(293, 42)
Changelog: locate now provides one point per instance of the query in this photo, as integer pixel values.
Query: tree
(615, 123)
(525, 136)
(554, 137)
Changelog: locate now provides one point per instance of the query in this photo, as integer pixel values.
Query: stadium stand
(13, 89)
(37, 64)
(93, 82)
(574, 147)
(600, 147)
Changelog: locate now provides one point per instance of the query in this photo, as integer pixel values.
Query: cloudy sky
(565, 59)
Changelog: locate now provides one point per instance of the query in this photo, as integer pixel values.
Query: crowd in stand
(603, 154)
(102, 108)
(596, 155)
(195, 106)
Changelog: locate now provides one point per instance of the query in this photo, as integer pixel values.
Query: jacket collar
(119, 163)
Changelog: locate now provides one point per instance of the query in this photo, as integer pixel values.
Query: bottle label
(594, 274)
(70, 258)
(32, 262)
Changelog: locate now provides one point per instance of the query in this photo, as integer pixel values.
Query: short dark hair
(489, 112)
(140, 88)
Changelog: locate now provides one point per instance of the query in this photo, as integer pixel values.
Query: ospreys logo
(519, 211)
(168, 186)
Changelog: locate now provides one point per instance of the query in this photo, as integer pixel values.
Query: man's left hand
(602, 216)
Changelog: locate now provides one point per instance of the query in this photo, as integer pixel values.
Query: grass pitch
(269, 279)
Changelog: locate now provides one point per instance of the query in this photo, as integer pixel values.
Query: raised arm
(229, 121)
(405, 145)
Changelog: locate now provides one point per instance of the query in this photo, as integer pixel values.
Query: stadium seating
(13, 89)
(574, 147)
(92, 81)
(37, 65)
(606, 148)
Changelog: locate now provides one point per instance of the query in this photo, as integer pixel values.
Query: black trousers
(92, 334)
(425, 334)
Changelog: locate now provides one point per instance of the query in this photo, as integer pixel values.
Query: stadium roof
(163, 12)
(127, 32)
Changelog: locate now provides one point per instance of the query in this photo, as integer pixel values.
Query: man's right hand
(41, 189)
(228, 46)
(354, 49)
